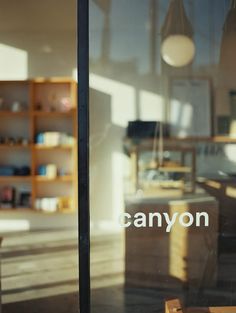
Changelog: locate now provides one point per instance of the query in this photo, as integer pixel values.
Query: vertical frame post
(83, 155)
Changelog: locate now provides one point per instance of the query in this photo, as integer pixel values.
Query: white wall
(45, 30)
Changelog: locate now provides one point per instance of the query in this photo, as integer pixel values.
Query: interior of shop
(162, 147)
(162, 79)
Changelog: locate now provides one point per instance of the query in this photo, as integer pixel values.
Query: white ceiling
(37, 15)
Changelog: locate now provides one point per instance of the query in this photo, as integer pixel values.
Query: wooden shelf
(45, 179)
(53, 80)
(170, 169)
(10, 113)
(8, 179)
(45, 147)
(13, 82)
(69, 211)
(17, 210)
(34, 211)
(222, 139)
(215, 139)
(53, 113)
(179, 169)
(192, 140)
(14, 146)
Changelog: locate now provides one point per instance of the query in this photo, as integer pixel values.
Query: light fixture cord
(154, 150)
(181, 15)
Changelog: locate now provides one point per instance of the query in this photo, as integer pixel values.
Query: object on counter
(62, 172)
(64, 204)
(223, 125)
(25, 199)
(232, 96)
(22, 141)
(41, 170)
(1, 104)
(8, 195)
(47, 204)
(49, 170)
(51, 205)
(40, 138)
(143, 129)
(53, 139)
(7, 170)
(25, 142)
(53, 101)
(65, 104)
(13, 141)
(23, 171)
(38, 106)
(16, 106)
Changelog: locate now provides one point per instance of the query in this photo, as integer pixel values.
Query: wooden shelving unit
(159, 186)
(42, 111)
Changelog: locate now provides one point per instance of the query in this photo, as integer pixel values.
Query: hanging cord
(182, 17)
(211, 13)
(161, 145)
(158, 145)
(155, 143)
(192, 16)
(226, 10)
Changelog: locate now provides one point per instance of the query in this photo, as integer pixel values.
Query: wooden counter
(185, 256)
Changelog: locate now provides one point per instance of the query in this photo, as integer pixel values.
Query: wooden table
(175, 306)
(224, 190)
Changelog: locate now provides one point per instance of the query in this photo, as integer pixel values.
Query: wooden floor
(40, 274)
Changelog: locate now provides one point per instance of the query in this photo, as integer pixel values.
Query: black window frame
(83, 154)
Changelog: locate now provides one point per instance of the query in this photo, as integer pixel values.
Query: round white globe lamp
(178, 50)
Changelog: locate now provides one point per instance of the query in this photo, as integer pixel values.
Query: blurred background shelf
(9, 179)
(46, 147)
(14, 114)
(45, 106)
(53, 113)
(15, 146)
(44, 179)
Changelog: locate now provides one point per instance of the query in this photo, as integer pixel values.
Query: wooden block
(174, 306)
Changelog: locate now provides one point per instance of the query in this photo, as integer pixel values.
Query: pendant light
(178, 48)
(228, 47)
